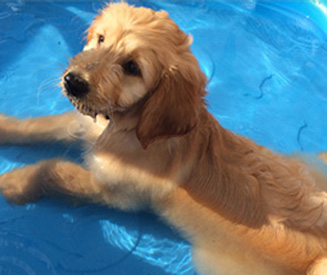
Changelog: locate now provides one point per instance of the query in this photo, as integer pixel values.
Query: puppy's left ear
(173, 107)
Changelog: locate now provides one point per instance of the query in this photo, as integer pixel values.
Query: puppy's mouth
(76, 88)
(89, 109)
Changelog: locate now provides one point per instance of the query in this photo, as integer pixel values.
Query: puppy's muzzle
(75, 85)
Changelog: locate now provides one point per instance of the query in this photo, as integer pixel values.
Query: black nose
(75, 85)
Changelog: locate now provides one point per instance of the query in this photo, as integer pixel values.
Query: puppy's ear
(173, 107)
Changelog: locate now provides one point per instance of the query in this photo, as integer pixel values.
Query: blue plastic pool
(267, 66)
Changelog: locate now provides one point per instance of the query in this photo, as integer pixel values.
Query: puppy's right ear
(173, 107)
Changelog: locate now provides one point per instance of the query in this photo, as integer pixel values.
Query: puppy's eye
(100, 39)
(131, 68)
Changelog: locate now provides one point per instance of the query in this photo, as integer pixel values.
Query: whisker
(47, 84)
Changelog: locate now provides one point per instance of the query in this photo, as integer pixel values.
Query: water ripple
(262, 85)
(22, 256)
(298, 138)
(174, 258)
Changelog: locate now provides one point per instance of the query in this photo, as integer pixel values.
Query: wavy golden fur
(246, 209)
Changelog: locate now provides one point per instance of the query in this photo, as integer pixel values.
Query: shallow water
(266, 63)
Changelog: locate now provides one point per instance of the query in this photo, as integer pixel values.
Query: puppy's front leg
(67, 127)
(50, 178)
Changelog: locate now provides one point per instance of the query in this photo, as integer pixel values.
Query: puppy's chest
(111, 169)
(122, 164)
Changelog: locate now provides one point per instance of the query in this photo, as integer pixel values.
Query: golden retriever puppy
(245, 209)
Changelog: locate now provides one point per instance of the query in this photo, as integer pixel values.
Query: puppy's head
(138, 55)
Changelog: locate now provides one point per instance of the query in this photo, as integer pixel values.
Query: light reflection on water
(174, 258)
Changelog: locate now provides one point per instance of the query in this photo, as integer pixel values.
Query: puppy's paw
(20, 185)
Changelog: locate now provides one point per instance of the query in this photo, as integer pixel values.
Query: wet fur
(246, 209)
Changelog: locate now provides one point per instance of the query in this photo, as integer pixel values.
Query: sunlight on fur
(151, 143)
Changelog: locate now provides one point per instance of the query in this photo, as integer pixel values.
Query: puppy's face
(102, 80)
(131, 54)
(119, 64)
